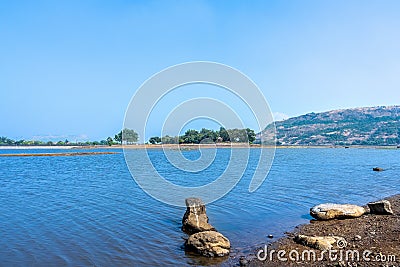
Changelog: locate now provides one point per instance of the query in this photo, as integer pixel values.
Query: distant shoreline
(37, 147)
(57, 154)
(193, 146)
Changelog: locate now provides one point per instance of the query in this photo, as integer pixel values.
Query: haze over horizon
(70, 68)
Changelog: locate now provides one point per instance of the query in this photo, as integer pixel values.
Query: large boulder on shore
(330, 211)
(382, 207)
(321, 242)
(208, 243)
(195, 218)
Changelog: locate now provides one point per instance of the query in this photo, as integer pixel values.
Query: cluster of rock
(204, 239)
(329, 211)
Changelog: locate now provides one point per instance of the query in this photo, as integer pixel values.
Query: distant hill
(356, 126)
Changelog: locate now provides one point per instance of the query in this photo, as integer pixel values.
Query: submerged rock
(195, 218)
(330, 211)
(321, 242)
(243, 261)
(208, 243)
(380, 207)
(377, 169)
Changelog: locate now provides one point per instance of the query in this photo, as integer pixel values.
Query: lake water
(87, 210)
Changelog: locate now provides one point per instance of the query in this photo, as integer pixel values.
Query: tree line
(4, 141)
(126, 136)
(129, 136)
(207, 136)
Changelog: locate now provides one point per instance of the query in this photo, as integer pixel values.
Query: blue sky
(69, 68)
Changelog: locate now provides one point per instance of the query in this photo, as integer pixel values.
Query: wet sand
(376, 239)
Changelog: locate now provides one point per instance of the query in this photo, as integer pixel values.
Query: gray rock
(380, 207)
(195, 218)
(320, 242)
(208, 243)
(330, 211)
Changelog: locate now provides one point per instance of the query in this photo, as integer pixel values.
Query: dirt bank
(376, 239)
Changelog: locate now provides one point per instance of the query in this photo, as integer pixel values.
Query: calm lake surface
(87, 210)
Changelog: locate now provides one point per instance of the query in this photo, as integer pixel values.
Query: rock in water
(243, 261)
(195, 219)
(321, 242)
(208, 243)
(377, 169)
(330, 211)
(380, 207)
(203, 239)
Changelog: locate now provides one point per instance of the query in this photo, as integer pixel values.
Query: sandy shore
(226, 145)
(376, 239)
(139, 146)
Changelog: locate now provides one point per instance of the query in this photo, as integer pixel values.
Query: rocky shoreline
(368, 240)
(339, 235)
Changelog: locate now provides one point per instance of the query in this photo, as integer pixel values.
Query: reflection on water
(89, 211)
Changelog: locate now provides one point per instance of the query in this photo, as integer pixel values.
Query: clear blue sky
(69, 68)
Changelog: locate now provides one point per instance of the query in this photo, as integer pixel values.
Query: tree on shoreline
(129, 136)
(110, 141)
(223, 133)
(155, 140)
(126, 135)
(118, 137)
